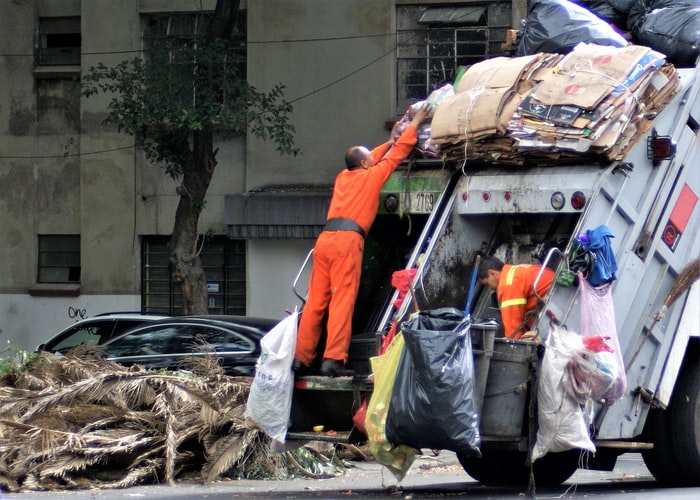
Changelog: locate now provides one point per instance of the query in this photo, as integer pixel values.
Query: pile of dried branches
(81, 422)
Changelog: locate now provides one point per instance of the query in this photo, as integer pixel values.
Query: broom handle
(472, 285)
(683, 282)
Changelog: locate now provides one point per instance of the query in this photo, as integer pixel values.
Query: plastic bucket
(505, 395)
(362, 347)
(482, 337)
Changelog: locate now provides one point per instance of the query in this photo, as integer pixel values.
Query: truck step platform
(327, 436)
(316, 382)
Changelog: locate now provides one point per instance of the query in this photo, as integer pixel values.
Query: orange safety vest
(516, 296)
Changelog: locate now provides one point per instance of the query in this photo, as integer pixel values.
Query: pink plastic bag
(598, 319)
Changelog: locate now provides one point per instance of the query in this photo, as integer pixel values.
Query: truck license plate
(421, 202)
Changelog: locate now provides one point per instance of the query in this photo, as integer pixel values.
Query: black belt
(343, 224)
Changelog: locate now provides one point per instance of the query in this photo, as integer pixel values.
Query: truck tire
(686, 422)
(661, 459)
(675, 458)
(504, 467)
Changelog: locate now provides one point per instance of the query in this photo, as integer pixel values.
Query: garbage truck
(438, 217)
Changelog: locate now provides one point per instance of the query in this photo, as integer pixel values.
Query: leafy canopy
(173, 92)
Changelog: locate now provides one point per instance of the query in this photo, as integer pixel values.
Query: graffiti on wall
(76, 314)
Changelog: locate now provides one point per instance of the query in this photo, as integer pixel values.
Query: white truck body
(652, 209)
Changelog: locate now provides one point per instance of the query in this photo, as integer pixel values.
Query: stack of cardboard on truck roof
(595, 101)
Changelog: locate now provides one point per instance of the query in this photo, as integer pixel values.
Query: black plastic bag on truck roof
(673, 31)
(432, 403)
(558, 26)
(606, 10)
(641, 8)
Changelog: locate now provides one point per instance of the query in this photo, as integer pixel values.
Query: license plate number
(421, 202)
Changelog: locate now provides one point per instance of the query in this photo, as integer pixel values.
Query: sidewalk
(360, 476)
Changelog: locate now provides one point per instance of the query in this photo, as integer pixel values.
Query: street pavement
(430, 476)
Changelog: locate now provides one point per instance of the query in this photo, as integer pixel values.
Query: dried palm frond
(7, 482)
(78, 423)
(227, 452)
(207, 364)
(61, 467)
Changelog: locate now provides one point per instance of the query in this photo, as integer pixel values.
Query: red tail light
(578, 200)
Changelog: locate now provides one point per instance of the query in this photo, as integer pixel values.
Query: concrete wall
(88, 181)
(336, 60)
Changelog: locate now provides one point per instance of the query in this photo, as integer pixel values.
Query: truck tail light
(557, 200)
(578, 200)
(660, 147)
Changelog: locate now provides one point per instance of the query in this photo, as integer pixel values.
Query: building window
(181, 31)
(224, 262)
(59, 41)
(435, 42)
(59, 259)
(172, 39)
(58, 105)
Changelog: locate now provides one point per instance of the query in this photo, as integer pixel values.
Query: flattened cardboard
(588, 74)
(494, 73)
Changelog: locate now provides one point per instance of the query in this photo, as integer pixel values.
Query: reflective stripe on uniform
(514, 302)
(509, 276)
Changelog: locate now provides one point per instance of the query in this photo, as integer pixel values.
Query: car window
(236, 342)
(124, 325)
(145, 341)
(188, 340)
(90, 334)
(177, 339)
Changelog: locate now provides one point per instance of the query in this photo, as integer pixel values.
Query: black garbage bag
(558, 26)
(639, 9)
(674, 31)
(432, 403)
(606, 10)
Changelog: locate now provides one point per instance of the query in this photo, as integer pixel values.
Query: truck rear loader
(450, 214)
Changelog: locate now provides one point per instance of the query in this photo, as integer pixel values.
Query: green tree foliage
(160, 101)
(174, 101)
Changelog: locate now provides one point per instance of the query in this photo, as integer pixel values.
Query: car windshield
(88, 334)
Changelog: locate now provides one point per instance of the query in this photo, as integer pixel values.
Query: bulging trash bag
(558, 26)
(606, 10)
(432, 404)
(394, 456)
(598, 318)
(561, 422)
(270, 398)
(674, 31)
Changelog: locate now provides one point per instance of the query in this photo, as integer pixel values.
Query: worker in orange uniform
(514, 285)
(337, 255)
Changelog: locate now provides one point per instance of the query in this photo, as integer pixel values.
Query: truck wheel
(661, 459)
(509, 467)
(685, 423)
(675, 458)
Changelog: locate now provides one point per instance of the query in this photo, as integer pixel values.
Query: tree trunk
(198, 167)
(186, 266)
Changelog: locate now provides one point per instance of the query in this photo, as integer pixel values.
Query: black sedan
(235, 340)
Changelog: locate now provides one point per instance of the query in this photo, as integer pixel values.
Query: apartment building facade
(85, 220)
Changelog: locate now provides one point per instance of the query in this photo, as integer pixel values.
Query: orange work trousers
(333, 286)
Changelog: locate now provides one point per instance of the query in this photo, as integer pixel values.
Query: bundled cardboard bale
(593, 101)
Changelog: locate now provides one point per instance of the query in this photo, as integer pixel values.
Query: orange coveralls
(516, 296)
(337, 257)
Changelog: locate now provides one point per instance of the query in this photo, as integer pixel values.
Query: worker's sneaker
(335, 368)
(300, 369)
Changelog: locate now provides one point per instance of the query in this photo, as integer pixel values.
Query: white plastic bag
(270, 399)
(562, 425)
